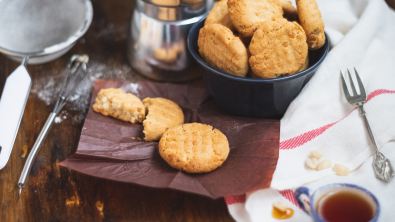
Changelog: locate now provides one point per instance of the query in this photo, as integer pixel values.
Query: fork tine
(354, 92)
(344, 86)
(361, 88)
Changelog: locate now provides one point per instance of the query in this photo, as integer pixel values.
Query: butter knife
(12, 105)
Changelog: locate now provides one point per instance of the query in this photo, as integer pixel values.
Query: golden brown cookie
(194, 148)
(251, 74)
(219, 15)
(120, 105)
(221, 49)
(289, 10)
(278, 48)
(311, 21)
(248, 15)
(162, 114)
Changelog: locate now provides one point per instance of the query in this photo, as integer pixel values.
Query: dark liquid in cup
(343, 206)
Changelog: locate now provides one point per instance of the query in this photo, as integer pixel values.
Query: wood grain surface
(55, 193)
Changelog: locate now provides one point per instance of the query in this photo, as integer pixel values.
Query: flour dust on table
(46, 88)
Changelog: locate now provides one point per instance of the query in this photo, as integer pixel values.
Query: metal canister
(157, 38)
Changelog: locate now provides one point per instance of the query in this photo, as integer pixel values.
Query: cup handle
(303, 202)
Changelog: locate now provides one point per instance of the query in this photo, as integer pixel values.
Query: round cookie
(278, 48)
(194, 148)
(221, 49)
(162, 115)
(311, 21)
(219, 15)
(248, 15)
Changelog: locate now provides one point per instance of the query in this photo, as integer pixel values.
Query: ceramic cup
(308, 200)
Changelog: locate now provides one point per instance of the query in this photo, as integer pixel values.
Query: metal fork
(382, 166)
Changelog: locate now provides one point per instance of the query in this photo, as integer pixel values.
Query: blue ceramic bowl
(252, 97)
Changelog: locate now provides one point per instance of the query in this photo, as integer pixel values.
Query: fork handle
(365, 119)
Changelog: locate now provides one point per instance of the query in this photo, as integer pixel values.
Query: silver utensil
(381, 165)
(12, 105)
(34, 31)
(70, 83)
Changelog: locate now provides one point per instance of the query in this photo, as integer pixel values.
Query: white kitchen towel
(320, 118)
(362, 34)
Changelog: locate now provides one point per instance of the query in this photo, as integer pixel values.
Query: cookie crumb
(99, 207)
(24, 148)
(74, 200)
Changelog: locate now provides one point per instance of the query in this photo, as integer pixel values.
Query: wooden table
(59, 194)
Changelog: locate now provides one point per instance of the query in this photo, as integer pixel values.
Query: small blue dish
(250, 97)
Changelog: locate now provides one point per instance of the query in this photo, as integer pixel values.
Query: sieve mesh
(29, 26)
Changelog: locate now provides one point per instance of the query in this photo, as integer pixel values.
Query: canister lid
(174, 2)
(173, 10)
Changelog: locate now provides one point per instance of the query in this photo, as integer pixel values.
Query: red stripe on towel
(289, 195)
(234, 199)
(306, 137)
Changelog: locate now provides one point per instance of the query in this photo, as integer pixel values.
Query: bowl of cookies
(257, 55)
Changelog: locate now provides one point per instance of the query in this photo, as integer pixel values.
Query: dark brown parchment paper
(107, 149)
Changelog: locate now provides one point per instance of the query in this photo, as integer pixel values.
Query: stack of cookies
(193, 147)
(261, 38)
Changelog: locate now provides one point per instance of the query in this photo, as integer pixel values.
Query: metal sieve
(34, 31)
(42, 29)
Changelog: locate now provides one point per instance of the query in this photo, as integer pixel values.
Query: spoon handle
(381, 165)
(365, 119)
